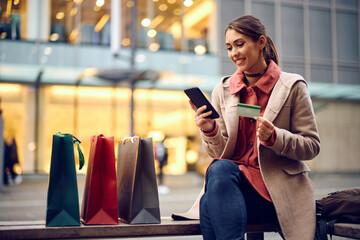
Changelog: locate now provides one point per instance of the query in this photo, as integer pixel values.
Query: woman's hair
(253, 28)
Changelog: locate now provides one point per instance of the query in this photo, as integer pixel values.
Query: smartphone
(199, 100)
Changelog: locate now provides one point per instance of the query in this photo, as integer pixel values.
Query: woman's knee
(222, 167)
(223, 172)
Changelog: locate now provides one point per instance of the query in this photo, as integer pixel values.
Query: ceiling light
(54, 37)
(153, 47)
(125, 42)
(200, 49)
(100, 3)
(103, 20)
(188, 3)
(130, 4)
(145, 22)
(151, 33)
(73, 11)
(163, 7)
(157, 20)
(60, 15)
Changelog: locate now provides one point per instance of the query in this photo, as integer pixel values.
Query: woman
(258, 174)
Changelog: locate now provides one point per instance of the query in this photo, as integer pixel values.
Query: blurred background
(56, 57)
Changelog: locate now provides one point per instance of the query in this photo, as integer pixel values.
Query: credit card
(247, 110)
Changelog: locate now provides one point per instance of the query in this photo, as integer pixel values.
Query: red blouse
(246, 154)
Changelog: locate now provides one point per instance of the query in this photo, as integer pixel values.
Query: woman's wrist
(211, 132)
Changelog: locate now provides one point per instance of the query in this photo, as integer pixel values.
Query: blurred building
(52, 51)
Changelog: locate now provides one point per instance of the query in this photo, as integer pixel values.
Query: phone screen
(199, 100)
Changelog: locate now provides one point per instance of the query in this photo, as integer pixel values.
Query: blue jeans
(230, 203)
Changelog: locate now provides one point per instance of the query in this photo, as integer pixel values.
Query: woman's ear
(262, 42)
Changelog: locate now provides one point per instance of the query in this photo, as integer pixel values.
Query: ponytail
(270, 52)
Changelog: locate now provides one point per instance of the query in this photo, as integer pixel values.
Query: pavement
(27, 201)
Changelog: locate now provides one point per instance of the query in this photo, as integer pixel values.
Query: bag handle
(77, 142)
(131, 138)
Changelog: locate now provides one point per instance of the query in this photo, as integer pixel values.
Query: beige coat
(282, 167)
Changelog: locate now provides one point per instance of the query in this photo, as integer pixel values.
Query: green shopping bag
(62, 198)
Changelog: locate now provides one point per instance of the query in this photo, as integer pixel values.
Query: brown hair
(253, 28)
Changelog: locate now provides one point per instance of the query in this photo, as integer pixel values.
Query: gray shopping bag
(138, 200)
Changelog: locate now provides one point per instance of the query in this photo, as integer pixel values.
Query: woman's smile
(239, 61)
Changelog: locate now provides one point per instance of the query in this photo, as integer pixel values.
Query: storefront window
(87, 111)
(174, 24)
(16, 111)
(181, 25)
(10, 16)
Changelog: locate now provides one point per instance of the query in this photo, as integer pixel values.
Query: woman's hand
(265, 130)
(201, 120)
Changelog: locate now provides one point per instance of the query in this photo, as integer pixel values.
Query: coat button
(252, 120)
(251, 145)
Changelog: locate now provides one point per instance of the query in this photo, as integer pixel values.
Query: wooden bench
(168, 227)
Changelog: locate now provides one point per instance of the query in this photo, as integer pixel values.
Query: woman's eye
(229, 48)
(240, 45)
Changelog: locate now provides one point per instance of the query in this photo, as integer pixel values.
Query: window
(349, 75)
(80, 21)
(172, 24)
(265, 12)
(347, 36)
(320, 34)
(10, 18)
(292, 32)
(348, 3)
(160, 24)
(321, 73)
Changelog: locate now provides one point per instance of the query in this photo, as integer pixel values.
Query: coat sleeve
(301, 141)
(215, 145)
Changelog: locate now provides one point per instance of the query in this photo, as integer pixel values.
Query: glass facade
(85, 111)
(316, 38)
(172, 24)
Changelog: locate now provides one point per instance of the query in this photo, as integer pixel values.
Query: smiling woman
(254, 155)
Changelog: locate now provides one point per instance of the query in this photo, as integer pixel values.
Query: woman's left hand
(265, 130)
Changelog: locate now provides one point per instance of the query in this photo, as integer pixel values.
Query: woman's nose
(234, 52)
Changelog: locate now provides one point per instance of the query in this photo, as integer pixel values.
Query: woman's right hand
(201, 118)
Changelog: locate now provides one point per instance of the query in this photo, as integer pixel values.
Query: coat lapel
(279, 94)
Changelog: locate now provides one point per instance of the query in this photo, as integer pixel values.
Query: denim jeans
(230, 203)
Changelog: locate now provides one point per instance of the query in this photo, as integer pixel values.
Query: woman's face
(244, 52)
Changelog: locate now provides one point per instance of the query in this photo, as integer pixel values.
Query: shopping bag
(62, 198)
(99, 204)
(138, 199)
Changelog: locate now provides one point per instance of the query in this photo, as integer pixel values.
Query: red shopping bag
(99, 205)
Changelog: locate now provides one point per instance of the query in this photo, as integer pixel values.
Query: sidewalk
(27, 201)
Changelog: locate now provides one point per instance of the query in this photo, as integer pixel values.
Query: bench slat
(168, 227)
(347, 230)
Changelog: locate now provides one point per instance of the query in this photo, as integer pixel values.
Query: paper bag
(99, 205)
(62, 198)
(138, 199)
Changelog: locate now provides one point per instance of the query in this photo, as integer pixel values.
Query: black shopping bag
(63, 199)
(138, 200)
